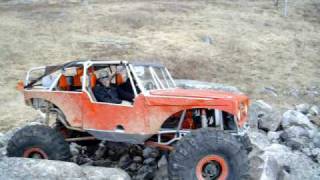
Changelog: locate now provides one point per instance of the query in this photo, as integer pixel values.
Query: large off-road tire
(209, 154)
(38, 141)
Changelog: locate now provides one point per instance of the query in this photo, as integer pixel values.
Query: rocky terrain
(247, 44)
(285, 146)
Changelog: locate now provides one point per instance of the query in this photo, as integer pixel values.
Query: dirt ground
(247, 44)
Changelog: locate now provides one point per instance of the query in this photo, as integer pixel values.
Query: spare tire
(38, 141)
(209, 154)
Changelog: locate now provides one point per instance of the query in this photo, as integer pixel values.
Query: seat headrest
(119, 79)
(93, 80)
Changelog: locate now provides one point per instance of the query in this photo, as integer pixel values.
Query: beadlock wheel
(208, 154)
(212, 167)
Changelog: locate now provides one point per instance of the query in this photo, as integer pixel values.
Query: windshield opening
(154, 77)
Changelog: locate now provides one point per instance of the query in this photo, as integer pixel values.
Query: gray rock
(161, 173)
(256, 110)
(316, 154)
(270, 122)
(34, 169)
(2, 141)
(125, 161)
(274, 137)
(314, 110)
(306, 151)
(75, 149)
(150, 161)
(296, 137)
(255, 163)
(163, 161)
(207, 39)
(316, 140)
(263, 116)
(149, 152)
(101, 173)
(303, 108)
(298, 131)
(193, 84)
(315, 120)
(284, 175)
(296, 118)
(259, 141)
(299, 165)
(270, 168)
(145, 172)
(102, 163)
(3, 152)
(137, 159)
(270, 90)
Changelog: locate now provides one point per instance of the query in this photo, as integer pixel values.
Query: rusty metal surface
(69, 102)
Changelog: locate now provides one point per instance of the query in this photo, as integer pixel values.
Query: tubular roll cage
(87, 64)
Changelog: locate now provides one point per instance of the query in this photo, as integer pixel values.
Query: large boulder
(296, 137)
(315, 120)
(273, 136)
(303, 108)
(101, 173)
(259, 141)
(296, 118)
(263, 116)
(314, 110)
(264, 168)
(33, 169)
(296, 163)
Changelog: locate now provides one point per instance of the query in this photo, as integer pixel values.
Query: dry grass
(254, 46)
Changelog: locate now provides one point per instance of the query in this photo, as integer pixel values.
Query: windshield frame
(155, 77)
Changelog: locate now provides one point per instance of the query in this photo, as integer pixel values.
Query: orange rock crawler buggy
(202, 129)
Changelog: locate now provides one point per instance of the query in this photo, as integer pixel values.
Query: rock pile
(138, 161)
(284, 146)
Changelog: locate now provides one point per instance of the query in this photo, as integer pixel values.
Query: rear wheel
(40, 142)
(208, 154)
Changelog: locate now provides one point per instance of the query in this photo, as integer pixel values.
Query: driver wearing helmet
(103, 92)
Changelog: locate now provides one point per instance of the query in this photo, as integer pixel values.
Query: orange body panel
(68, 102)
(145, 116)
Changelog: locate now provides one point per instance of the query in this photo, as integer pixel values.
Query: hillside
(247, 44)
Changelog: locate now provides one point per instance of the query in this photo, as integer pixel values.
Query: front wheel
(209, 154)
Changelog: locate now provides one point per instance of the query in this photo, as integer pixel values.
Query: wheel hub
(35, 153)
(212, 170)
(212, 167)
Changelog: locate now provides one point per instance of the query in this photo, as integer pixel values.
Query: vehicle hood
(196, 93)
